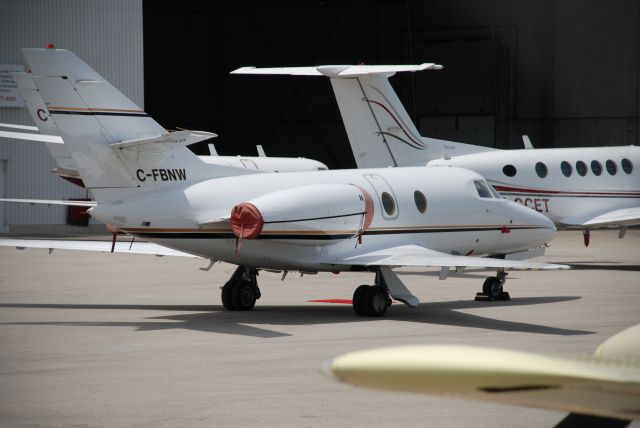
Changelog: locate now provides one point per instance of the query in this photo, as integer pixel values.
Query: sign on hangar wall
(9, 96)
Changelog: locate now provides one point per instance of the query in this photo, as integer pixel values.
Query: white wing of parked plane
(621, 217)
(15, 126)
(104, 246)
(415, 255)
(32, 137)
(51, 202)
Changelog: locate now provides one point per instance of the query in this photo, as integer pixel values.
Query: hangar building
(565, 73)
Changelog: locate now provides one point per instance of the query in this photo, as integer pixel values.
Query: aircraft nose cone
(544, 228)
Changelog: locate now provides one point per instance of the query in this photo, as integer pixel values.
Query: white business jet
(67, 169)
(583, 188)
(147, 184)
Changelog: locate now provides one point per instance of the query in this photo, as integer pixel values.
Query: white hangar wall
(107, 35)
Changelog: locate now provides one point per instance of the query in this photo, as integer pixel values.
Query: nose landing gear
(241, 291)
(493, 288)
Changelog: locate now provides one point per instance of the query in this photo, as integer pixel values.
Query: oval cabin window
(596, 167)
(581, 168)
(388, 203)
(566, 168)
(626, 165)
(541, 170)
(421, 201)
(611, 166)
(509, 170)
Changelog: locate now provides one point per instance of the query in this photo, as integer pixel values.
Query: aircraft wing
(51, 202)
(32, 137)
(16, 126)
(415, 255)
(124, 246)
(621, 217)
(587, 386)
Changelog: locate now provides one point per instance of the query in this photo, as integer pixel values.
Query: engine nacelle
(322, 212)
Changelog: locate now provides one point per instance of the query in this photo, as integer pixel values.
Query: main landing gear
(241, 291)
(493, 288)
(372, 300)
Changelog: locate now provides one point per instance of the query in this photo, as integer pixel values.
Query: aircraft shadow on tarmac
(214, 319)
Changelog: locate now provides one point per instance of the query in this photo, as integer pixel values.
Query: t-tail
(379, 129)
(117, 147)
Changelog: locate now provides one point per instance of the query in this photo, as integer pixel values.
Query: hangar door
(2, 204)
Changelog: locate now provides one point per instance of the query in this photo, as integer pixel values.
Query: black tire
(226, 296)
(375, 301)
(358, 300)
(243, 296)
(492, 288)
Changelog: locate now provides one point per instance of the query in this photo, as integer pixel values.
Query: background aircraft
(599, 391)
(67, 169)
(583, 188)
(147, 184)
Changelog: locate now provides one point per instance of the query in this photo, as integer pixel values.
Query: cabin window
(483, 190)
(611, 166)
(421, 201)
(541, 170)
(581, 168)
(596, 167)
(388, 203)
(509, 170)
(626, 165)
(566, 168)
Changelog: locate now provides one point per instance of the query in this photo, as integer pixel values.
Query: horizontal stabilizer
(337, 71)
(415, 255)
(25, 127)
(52, 202)
(184, 138)
(104, 246)
(32, 137)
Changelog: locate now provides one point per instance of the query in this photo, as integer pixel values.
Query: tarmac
(99, 339)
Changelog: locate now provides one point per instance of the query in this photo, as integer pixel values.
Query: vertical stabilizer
(117, 147)
(379, 129)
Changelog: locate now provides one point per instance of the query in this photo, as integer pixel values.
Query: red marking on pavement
(342, 301)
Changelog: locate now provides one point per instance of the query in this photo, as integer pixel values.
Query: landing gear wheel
(241, 291)
(358, 306)
(377, 301)
(492, 287)
(243, 296)
(226, 296)
(371, 301)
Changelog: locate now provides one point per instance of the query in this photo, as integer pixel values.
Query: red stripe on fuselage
(501, 188)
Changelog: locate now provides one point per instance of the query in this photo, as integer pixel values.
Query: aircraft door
(387, 200)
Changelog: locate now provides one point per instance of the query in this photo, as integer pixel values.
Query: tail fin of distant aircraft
(379, 129)
(45, 124)
(117, 147)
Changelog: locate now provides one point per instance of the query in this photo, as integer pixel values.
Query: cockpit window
(483, 190)
(494, 192)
